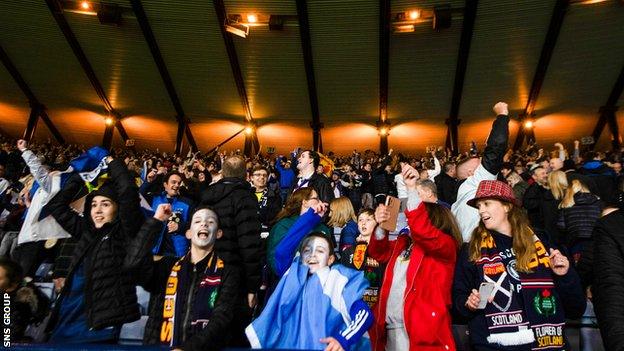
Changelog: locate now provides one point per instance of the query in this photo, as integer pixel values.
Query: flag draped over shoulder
(304, 309)
(39, 225)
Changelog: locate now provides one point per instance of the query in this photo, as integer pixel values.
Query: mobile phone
(485, 290)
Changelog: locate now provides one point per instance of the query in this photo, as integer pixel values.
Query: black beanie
(105, 190)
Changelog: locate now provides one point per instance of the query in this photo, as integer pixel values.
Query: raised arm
(139, 248)
(497, 141)
(431, 239)
(38, 171)
(59, 207)
(436, 169)
(128, 197)
(286, 248)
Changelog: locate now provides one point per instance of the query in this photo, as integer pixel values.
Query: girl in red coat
(413, 308)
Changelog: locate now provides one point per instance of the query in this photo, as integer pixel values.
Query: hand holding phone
(485, 292)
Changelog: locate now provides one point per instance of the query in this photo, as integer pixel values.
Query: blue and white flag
(305, 308)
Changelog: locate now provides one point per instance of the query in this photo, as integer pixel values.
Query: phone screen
(485, 290)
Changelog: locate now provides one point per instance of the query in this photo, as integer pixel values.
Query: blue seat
(132, 333)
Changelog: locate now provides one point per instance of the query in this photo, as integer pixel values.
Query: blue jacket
(287, 176)
(348, 234)
(179, 244)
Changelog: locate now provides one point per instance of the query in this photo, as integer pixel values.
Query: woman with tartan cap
(534, 287)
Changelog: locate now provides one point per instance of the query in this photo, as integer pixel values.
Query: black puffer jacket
(578, 221)
(542, 209)
(608, 288)
(110, 254)
(237, 208)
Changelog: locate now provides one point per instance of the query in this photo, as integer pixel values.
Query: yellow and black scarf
(203, 302)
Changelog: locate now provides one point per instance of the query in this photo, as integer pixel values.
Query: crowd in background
(213, 235)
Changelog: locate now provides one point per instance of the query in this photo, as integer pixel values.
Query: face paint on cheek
(316, 254)
(204, 228)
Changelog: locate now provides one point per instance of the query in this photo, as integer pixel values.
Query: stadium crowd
(294, 251)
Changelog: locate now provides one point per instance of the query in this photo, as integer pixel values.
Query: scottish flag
(306, 308)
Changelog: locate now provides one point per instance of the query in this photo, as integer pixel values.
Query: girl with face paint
(310, 287)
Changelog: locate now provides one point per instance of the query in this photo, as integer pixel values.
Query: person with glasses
(269, 201)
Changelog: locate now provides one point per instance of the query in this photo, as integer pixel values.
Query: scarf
(203, 302)
(529, 313)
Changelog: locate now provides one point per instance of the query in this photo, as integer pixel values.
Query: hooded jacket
(110, 254)
(237, 208)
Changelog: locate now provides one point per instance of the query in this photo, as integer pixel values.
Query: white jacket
(34, 229)
(467, 216)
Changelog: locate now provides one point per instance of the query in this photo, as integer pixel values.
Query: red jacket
(428, 291)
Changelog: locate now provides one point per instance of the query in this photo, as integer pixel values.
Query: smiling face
(493, 214)
(204, 229)
(172, 186)
(366, 224)
(316, 253)
(103, 210)
(259, 178)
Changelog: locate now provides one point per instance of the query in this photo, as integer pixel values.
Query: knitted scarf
(529, 314)
(202, 303)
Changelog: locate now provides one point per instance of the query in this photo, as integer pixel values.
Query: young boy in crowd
(356, 256)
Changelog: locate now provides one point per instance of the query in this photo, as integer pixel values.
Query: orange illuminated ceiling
(270, 82)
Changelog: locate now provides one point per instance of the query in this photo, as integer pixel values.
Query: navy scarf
(532, 315)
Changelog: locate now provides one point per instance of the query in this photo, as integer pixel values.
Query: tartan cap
(493, 189)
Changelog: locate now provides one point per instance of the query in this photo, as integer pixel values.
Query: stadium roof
(340, 68)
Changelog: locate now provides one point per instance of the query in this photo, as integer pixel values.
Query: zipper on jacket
(188, 306)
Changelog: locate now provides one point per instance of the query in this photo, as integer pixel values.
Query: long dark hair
(442, 218)
(293, 204)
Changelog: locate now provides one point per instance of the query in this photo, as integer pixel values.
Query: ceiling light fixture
(236, 28)
(414, 14)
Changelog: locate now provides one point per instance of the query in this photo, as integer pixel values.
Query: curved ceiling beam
(470, 14)
(384, 69)
(556, 21)
(37, 108)
(181, 118)
(57, 12)
(251, 139)
(607, 114)
(306, 46)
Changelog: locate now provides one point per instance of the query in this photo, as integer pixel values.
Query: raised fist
(22, 145)
(501, 109)
(163, 212)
